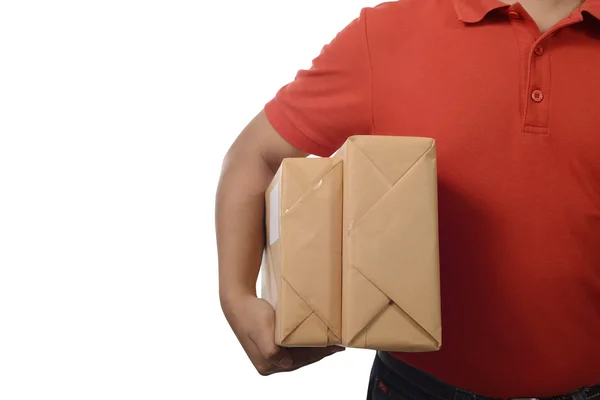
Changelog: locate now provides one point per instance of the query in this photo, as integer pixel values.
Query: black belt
(443, 391)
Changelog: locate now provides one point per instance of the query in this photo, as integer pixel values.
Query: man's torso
(516, 117)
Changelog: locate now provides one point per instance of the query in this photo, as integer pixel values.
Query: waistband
(444, 391)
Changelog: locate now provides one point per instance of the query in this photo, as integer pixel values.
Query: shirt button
(513, 15)
(537, 96)
(539, 50)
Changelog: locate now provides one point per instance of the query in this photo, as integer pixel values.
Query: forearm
(240, 228)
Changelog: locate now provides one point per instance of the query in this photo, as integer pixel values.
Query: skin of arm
(248, 168)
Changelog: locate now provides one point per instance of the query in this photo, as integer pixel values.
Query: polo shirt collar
(473, 11)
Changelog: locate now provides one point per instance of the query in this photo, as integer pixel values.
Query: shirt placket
(536, 82)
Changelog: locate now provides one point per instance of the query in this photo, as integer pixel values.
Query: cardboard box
(391, 292)
(301, 275)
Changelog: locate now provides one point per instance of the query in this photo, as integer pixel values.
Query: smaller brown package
(301, 273)
(391, 288)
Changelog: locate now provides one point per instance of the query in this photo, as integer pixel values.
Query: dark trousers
(391, 379)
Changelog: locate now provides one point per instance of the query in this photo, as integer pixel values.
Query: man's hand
(253, 322)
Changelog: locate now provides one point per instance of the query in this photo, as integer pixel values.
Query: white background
(114, 118)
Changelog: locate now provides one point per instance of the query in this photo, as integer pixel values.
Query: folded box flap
(365, 305)
(311, 201)
(296, 310)
(397, 232)
(392, 156)
(392, 330)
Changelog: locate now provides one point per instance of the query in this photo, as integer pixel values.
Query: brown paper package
(301, 274)
(390, 289)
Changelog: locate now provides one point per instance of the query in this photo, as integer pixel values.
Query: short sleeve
(331, 100)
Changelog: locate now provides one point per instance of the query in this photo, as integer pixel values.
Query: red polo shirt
(516, 117)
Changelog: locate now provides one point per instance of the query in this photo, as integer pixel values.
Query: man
(511, 93)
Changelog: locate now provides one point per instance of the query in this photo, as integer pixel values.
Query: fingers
(306, 356)
(272, 353)
(272, 359)
(267, 357)
(281, 358)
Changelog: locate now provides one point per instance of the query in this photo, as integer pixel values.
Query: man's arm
(248, 168)
(313, 114)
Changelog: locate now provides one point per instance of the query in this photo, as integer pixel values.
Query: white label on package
(274, 214)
